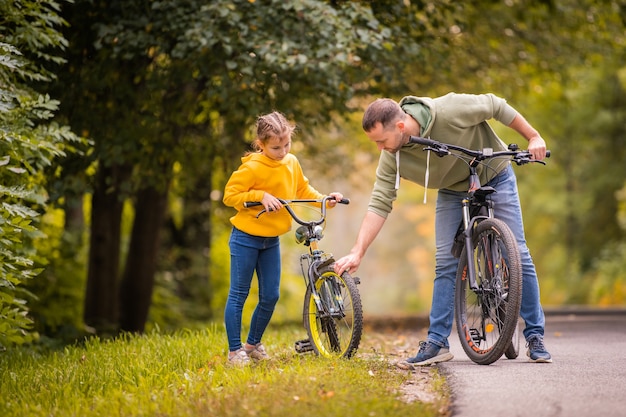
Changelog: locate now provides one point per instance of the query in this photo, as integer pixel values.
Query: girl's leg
(268, 271)
(243, 259)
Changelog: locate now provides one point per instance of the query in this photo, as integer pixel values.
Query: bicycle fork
(328, 299)
(469, 222)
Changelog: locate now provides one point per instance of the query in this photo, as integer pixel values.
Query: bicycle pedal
(303, 346)
(475, 335)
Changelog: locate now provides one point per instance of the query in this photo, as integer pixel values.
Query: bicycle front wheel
(486, 316)
(334, 329)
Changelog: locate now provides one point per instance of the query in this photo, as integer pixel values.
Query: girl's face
(276, 148)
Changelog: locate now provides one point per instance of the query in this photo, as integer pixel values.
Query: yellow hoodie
(257, 175)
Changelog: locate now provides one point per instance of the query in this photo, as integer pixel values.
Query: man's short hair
(383, 110)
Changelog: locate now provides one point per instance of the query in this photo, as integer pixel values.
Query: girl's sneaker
(239, 359)
(258, 353)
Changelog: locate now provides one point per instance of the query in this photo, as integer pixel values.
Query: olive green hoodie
(459, 119)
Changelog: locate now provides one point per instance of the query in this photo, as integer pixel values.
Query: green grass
(184, 374)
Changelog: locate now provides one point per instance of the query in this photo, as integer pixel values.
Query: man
(457, 119)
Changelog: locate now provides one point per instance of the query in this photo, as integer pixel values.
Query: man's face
(390, 140)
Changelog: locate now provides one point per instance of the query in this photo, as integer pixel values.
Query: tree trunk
(100, 310)
(138, 279)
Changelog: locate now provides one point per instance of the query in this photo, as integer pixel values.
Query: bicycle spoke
(335, 327)
(482, 320)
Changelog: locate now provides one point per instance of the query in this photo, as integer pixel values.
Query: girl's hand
(271, 203)
(338, 197)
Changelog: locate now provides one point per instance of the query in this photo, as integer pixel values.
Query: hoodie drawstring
(397, 170)
(426, 175)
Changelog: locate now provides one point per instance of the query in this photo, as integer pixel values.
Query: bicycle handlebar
(298, 220)
(441, 149)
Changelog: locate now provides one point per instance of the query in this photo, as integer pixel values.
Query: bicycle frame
(311, 234)
(478, 195)
(332, 312)
(489, 274)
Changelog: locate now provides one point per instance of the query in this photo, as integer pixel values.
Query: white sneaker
(239, 359)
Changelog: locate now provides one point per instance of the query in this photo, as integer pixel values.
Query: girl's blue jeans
(250, 253)
(447, 219)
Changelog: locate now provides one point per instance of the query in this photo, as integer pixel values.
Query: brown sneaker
(239, 359)
(258, 353)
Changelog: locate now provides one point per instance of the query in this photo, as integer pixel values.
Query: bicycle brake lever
(262, 211)
(441, 151)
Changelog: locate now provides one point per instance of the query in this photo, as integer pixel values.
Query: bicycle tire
(339, 333)
(486, 320)
(512, 351)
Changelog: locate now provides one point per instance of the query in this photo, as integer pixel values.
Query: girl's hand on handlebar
(271, 203)
(337, 196)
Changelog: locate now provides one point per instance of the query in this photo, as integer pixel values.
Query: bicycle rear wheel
(486, 318)
(336, 330)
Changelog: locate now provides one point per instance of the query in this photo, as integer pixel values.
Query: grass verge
(184, 374)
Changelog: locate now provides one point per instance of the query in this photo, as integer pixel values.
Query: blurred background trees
(168, 91)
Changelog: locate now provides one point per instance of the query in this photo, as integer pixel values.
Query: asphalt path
(586, 378)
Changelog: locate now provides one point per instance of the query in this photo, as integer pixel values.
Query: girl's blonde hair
(272, 125)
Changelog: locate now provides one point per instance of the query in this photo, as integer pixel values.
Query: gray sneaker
(428, 354)
(258, 353)
(536, 350)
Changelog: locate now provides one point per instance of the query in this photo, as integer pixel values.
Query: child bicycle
(488, 288)
(332, 313)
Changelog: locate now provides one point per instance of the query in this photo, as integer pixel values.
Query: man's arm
(371, 225)
(536, 144)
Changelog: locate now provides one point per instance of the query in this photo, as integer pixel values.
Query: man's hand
(537, 148)
(349, 263)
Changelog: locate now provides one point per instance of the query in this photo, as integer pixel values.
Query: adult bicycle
(332, 311)
(488, 287)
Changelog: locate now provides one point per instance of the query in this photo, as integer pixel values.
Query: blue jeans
(447, 219)
(247, 254)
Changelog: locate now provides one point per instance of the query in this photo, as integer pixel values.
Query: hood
(415, 107)
(264, 160)
(424, 111)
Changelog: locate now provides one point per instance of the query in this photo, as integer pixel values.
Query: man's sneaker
(536, 350)
(428, 354)
(258, 353)
(239, 360)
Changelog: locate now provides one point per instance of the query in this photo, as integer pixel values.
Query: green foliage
(184, 374)
(29, 142)
(608, 277)
(169, 90)
(57, 310)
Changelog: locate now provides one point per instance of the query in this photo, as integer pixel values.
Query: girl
(266, 175)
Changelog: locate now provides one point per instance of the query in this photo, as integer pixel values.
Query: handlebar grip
(548, 153)
(249, 204)
(422, 141)
(344, 201)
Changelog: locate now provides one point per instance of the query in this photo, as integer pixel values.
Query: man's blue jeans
(247, 254)
(447, 219)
